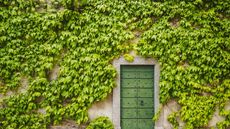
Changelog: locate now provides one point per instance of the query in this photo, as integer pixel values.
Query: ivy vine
(101, 123)
(190, 39)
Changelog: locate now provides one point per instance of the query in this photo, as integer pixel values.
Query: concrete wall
(102, 108)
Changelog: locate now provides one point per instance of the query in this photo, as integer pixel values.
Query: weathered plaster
(167, 109)
(227, 106)
(68, 124)
(54, 73)
(215, 119)
(24, 85)
(101, 108)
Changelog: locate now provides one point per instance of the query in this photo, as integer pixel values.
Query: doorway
(121, 64)
(137, 96)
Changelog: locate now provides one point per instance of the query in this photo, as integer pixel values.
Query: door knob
(142, 103)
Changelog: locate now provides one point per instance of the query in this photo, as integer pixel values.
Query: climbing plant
(190, 39)
(191, 44)
(101, 123)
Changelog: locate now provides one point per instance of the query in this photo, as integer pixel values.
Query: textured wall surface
(102, 108)
(68, 124)
(173, 106)
(167, 109)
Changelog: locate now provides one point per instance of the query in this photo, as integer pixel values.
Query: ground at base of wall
(68, 127)
(68, 124)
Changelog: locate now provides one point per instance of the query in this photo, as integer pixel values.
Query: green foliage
(172, 119)
(101, 123)
(190, 40)
(74, 4)
(198, 117)
(157, 114)
(128, 57)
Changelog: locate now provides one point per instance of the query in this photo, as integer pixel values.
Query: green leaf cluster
(101, 123)
(129, 57)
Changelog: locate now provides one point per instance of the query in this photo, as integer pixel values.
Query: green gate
(137, 98)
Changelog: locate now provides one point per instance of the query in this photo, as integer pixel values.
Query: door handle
(142, 103)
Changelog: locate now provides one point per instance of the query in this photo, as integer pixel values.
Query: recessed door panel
(130, 74)
(129, 113)
(145, 102)
(145, 124)
(129, 123)
(130, 83)
(146, 113)
(129, 102)
(146, 83)
(145, 93)
(129, 92)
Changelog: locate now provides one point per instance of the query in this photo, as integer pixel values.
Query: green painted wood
(144, 93)
(129, 83)
(129, 102)
(146, 74)
(145, 113)
(130, 74)
(129, 123)
(137, 68)
(145, 102)
(129, 113)
(137, 74)
(129, 93)
(137, 83)
(137, 106)
(144, 124)
(137, 124)
(146, 83)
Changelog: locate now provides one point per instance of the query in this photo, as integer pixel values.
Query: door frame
(116, 91)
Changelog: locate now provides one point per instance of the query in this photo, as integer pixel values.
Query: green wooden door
(137, 101)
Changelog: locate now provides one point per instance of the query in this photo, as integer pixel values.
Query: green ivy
(129, 58)
(101, 123)
(190, 40)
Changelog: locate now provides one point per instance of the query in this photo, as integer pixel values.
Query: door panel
(146, 74)
(145, 93)
(146, 83)
(129, 93)
(137, 105)
(145, 124)
(145, 113)
(129, 123)
(129, 113)
(129, 83)
(129, 102)
(145, 102)
(130, 74)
